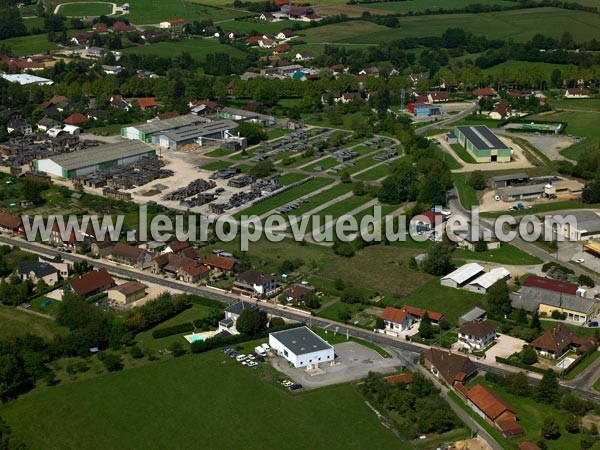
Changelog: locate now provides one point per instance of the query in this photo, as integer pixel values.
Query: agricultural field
(512, 66)
(418, 6)
(260, 26)
(19, 323)
(198, 48)
(85, 9)
(182, 402)
(342, 32)
(506, 254)
(520, 25)
(583, 104)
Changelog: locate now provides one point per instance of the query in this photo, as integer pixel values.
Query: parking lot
(504, 347)
(353, 362)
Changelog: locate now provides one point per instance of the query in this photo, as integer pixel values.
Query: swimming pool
(191, 338)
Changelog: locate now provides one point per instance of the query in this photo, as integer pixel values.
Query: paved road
(380, 339)
(451, 119)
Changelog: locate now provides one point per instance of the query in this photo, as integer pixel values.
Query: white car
(252, 364)
(580, 260)
(266, 347)
(251, 357)
(240, 358)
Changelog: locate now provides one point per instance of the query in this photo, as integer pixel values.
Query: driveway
(353, 362)
(505, 346)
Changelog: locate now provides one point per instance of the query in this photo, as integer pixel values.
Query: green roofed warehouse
(482, 144)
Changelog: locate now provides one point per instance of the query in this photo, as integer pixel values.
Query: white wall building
(461, 276)
(301, 347)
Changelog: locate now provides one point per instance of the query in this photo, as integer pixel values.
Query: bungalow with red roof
(297, 292)
(100, 28)
(577, 93)
(450, 367)
(76, 119)
(437, 97)
(145, 103)
(501, 111)
(219, 265)
(253, 40)
(487, 92)
(120, 26)
(11, 224)
(283, 48)
(92, 283)
(556, 341)
(285, 34)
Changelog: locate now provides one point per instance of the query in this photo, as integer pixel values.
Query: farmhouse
(174, 24)
(437, 97)
(483, 145)
(493, 409)
(484, 282)
(36, 271)
(92, 283)
(556, 341)
(82, 162)
(450, 367)
(477, 335)
(219, 265)
(577, 93)
(11, 224)
(301, 347)
(462, 276)
(127, 292)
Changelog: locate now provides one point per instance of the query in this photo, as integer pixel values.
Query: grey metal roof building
(506, 180)
(475, 314)
(483, 144)
(82, 162)
(530, 298)
(144, 132)
(195, 133)
(301, 340)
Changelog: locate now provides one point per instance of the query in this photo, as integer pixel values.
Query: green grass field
(85, 9)
(206, 401)
(198, 48)
(506, 254)
(322, 197)
(520, 25)
(216, 165)
(286, 197)
(289, 178)
(511, 66)
(407, 6)
(260, 26)
(29, 45)
(374, 174)
(466, 193)
(451, 302)
(584, 104)
(18, 323)
(463, 153)
(342, 32)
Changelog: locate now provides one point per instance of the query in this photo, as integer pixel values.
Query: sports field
(197, 48)
(520, 25)
(85, 9)
(198, 401)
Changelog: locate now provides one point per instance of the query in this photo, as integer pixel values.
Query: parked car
(266, 347)
(294, 387)
(580, 260)
(241, 357)
(260, 358)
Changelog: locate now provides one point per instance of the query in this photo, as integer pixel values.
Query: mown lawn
(29, 45)
(216, 165)
(14, 322)
(463, 153)
(506, 254)
(466, 193)
(207, 401)
(198, 48)
(85, 9)
(286, 197)
(451, 302)
(322, 197)
(374, 174)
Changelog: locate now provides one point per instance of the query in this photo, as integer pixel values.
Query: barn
(482, 143)
(301, 347)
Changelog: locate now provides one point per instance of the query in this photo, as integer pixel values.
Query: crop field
(407, 6)
(349, 10)
(85, 9)
(342, 32)
(285, 197)
(195, 400)
(511, 66)
(520, 25)
(260, 26)
(198, 48)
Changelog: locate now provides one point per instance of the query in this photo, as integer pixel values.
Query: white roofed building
(482, 283)
(462, 276)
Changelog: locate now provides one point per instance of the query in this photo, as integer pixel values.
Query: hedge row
(518, 364)
(216, 342)
(170, 331)
(203, 301)
(578, 361)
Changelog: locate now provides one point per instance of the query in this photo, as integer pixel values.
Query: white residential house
(577, 93)
(477, 335)
(253, 283)
(232, 314)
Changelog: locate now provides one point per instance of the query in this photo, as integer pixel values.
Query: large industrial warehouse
(197, 134)
(82, 162)
(482, 143)
(149, 132)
